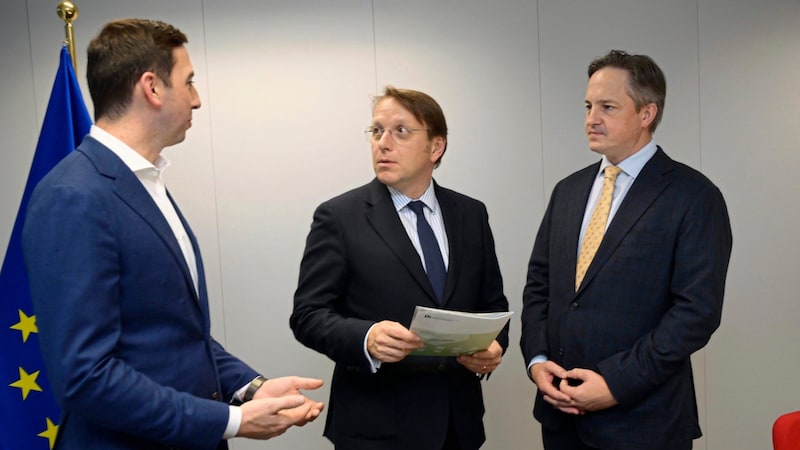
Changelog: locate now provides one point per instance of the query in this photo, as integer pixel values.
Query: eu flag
(29, 414)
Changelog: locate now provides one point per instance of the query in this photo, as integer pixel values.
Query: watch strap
(252, 388)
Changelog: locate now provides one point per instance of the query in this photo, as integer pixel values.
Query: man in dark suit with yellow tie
(372, 255)
(626, 278)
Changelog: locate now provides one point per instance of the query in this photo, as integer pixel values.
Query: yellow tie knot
(612, 172)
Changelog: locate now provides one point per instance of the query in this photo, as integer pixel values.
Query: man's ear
(437, 147)
(148, 85)
(648, 113)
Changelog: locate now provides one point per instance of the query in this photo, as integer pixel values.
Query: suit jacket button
(561, 351)
(573, 306)
(215, 396)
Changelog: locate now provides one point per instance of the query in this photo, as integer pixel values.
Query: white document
(450, 333)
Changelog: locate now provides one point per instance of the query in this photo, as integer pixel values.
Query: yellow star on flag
(26, 325)
(50, 433)
(26, 382)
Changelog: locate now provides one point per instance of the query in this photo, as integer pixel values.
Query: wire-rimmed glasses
(399, 133)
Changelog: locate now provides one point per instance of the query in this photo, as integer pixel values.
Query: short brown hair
(121, 53)
(646, 80)
(424, 108)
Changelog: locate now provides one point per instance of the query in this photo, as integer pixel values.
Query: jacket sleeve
(493, 297)
(536, 294)
(234, 374)
(317, 320)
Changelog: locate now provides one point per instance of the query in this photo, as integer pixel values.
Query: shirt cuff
(234, 422)
(374, 364)
(239, 394)
(536, 360)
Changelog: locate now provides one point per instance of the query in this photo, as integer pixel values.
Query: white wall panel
(749, 101)
(20, 119)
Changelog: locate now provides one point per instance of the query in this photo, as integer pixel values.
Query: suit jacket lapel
(575, 209)
(381, 214)
(650, 183)
(130, 190)
(454, 226)
(200, 295)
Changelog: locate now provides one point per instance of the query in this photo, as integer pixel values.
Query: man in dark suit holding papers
(372, 255)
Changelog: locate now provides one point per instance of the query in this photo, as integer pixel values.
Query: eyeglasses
(401, 133)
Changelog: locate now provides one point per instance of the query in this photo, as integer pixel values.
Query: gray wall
(286, 87)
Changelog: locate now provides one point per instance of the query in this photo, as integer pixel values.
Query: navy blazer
(651, 297)
(124, 334)
(359, 268)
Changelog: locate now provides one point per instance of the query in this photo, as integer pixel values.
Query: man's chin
(384, 176)
(596, 148)
(386, 182)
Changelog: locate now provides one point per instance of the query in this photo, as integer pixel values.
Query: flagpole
(68, 12)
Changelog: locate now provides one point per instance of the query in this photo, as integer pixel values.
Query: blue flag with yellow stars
(29, 414)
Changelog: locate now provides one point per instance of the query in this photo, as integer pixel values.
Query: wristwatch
(252, 388)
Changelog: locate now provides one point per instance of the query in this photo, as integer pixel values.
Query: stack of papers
(451, 333)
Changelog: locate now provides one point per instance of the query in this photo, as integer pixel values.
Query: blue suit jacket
(125, 337)
(360, 267)
(651, 297)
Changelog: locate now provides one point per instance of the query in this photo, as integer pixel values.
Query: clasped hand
(578, 390)
(277, 405)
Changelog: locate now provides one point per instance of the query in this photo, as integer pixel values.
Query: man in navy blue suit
(608, 341)
(117, 279)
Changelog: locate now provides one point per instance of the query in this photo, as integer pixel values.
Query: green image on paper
(437, 344)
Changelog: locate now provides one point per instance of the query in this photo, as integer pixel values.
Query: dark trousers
(451, 443)
(566, 438)
(452, 440)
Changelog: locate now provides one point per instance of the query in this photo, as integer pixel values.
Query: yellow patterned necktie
(597, 225)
